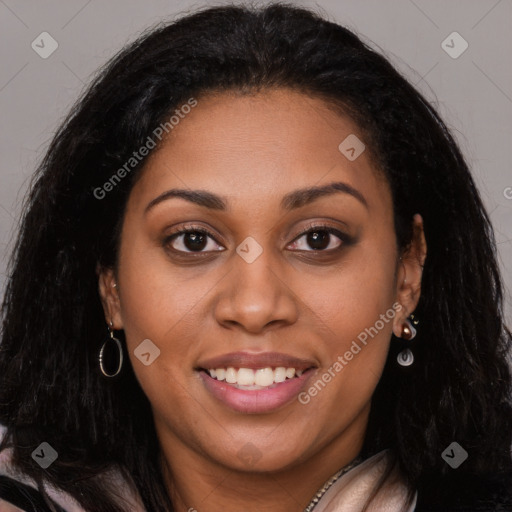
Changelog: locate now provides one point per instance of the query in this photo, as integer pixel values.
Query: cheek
(159, 309)
(354, 310)
(158, 299)
(160, 304)
(354, 297)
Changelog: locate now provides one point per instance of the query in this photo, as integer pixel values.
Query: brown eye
(192, 240)
(195, 241)
(320, 238)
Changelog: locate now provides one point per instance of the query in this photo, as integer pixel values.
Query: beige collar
(350, 492)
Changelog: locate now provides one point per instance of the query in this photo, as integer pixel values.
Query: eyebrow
(290, 201)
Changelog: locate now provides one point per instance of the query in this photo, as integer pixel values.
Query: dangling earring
(406, 357)
(119, 348)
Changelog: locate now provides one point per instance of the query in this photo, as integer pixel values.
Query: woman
(254, 272)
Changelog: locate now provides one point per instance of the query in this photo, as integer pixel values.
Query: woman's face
(253, 291)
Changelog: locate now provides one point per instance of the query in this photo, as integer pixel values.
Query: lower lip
(256, 401)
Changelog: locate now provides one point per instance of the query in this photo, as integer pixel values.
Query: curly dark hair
(52, 318)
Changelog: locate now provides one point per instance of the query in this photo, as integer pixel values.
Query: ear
(109, 295)
(409, 274)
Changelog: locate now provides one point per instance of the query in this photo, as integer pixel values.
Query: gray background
(472, 92)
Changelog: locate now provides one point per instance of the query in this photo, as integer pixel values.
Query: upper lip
(255, 361)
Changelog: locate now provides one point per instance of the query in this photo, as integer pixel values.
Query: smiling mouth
(254, 379)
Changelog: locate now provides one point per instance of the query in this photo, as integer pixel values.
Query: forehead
(253, 149)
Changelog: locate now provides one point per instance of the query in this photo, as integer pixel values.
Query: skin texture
(253, 150)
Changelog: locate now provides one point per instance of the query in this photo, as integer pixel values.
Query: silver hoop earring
(406, 357)
(120, 350)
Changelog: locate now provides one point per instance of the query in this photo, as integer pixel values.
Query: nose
(256, 296)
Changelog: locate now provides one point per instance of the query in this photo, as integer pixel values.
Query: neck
(198, 483)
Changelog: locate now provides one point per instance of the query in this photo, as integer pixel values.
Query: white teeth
(247, 378)
(280, 374)
(231, 375)
(264, 377)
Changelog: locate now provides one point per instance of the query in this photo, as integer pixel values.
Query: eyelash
(345, 239)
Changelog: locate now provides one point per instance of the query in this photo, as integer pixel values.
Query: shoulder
(351, 492)
(19, 492)
(13, 484)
